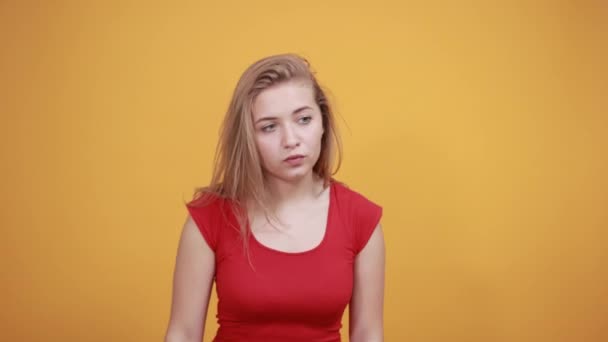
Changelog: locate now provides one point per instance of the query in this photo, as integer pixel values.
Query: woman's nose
(290, 138)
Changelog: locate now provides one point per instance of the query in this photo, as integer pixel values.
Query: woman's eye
(268, 128)
(305, 119)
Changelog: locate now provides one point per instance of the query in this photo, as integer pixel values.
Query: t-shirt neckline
(325, 233)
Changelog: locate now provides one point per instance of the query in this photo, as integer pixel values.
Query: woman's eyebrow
(266, 118)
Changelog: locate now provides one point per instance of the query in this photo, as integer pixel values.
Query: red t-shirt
(288, 296)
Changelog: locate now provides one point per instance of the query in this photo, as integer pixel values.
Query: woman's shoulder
(209, 206)
(209, 198)
(204, 199)
(346, 192)
(359, 213)
(211, 213)
(353, 202)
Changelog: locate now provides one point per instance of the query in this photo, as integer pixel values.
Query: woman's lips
(295, 156)
(294, 160)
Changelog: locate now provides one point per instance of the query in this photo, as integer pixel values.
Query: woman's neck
(288, 193)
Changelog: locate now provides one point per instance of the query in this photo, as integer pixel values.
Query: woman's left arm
(366, 322)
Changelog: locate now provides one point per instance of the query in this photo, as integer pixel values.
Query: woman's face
(288, 124)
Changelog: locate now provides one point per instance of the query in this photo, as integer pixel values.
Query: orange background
(480, 127)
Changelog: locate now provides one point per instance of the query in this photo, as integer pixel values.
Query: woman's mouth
(294, 160)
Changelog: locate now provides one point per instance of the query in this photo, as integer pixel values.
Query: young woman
(288, 246)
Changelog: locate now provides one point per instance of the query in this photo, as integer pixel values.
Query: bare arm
(192, 281)
(366, 322)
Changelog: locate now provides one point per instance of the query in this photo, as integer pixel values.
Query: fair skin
(287, 122)
(192, 281)
(367, 304)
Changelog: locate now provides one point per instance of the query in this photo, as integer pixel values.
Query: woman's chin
(292, 176)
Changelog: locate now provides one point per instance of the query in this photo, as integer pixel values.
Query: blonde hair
(237, 173)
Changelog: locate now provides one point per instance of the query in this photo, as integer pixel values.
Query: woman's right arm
(192, 281)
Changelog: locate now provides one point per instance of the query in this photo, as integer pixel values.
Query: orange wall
(482, 129)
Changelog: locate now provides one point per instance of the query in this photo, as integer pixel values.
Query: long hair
(237, 172)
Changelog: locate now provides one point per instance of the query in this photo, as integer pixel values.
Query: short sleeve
(203, 216)
(366, 216)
